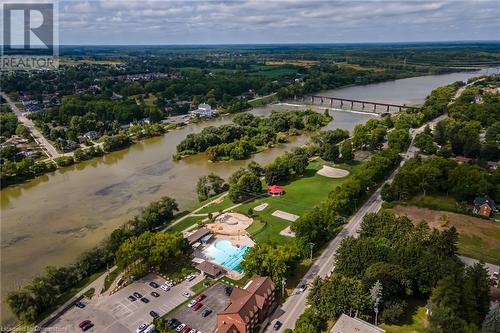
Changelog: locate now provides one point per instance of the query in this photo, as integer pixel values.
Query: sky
(127, 22)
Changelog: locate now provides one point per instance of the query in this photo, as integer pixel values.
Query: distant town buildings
(250, 306)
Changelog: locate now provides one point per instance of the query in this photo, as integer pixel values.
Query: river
(52, 219)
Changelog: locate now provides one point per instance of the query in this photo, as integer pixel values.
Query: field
(73, 62)
(478, 238)
(301, 63)
(300, 196)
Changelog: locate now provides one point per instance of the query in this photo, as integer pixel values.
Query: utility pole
(311, 245)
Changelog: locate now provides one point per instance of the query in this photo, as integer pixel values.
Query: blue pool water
(226, 254)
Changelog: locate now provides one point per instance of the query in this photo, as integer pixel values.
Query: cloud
(271, 21)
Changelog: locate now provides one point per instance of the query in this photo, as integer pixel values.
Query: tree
(309, 322)
(376, 297)
(399, 139)
(267, 259)
(491, 323)
(248, 186)
(338, 294)
(158, 213)
(345, 151)
(209, 186)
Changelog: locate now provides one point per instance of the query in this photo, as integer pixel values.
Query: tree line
(241, 139)
(392, 261)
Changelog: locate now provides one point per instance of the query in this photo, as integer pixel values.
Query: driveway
(116, 314)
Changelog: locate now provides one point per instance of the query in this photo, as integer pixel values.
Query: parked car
(154, 314)
(302, 287)
(79, 305)
(192, 331)
(175, 323)
(155, 294)
(228, 290)
(197, 306)
(136, 294)
(154, 284)
(180, 327)
(191, 277)
(141, 328)
(186, 329)
(144, 300)
(200, 297)
(150, 329)
(206, 312)
(192, 303)
(83, 323)
(165, 287)
(277, 325)
(186, 294)
(87, 327)
(131, 298)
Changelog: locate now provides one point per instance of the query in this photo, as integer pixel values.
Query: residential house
(92, 135)
(346, 324)
(250, 307)
(484, 206)
(204, 110)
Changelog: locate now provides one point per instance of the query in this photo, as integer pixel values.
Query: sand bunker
(285, 216)
(260, 207)
(230, 224)
(287, 232)
(328, 171)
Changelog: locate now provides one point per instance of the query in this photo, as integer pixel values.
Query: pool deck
(239, 241)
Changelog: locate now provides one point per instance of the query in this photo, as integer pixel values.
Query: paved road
(39, 138)
(295, 304)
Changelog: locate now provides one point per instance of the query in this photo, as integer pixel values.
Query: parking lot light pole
(283, 283)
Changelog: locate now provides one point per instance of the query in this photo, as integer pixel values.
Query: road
(37, 136)
(295, 304)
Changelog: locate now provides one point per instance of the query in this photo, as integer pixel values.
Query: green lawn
(301, 195)
(475, 247)
(217, 207)
(413, 321)
(186, 223)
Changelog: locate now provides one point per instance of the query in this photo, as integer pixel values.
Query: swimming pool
(226, 254)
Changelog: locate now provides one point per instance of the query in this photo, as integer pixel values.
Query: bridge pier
(312, 99)
(331, 102)
(387, 108)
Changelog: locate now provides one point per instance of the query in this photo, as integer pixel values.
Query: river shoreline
(55, 217)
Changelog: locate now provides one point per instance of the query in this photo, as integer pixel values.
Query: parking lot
(117, 314)
(216, 300)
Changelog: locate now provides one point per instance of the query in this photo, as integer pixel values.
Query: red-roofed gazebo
(275, 190)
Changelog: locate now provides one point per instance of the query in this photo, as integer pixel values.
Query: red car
(197, 306)
(200, 297)
(186, 329)
(84, 323)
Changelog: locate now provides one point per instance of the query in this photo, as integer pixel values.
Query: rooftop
(346, 324)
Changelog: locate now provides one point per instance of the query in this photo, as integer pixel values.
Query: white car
(180, 327)
(165, 287)
(192, 303)
(186, 294)
(141, 328)
(191, 277)
(192, 331)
